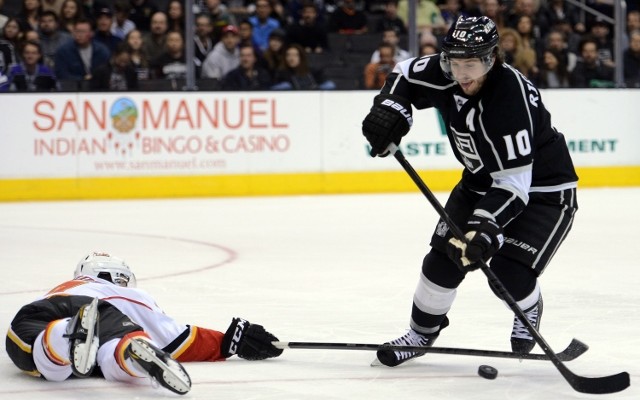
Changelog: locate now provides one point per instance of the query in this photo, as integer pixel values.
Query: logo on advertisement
(124, 116)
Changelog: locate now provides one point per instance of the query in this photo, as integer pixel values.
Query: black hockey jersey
(502, 135)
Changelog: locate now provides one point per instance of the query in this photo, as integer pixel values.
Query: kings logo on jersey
(468, 151)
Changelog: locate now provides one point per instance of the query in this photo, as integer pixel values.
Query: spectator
(13, 36)
(116, 75)
(495, 10)
(175, 14)
(390, 19)
(122, 25)
(154, 41)
(141, 14)
(203, 39)
(3, 18)
(248, 75)
(557, 43)
(172, 63)
(139, 58)
(348, 19)
(279, 13)
(296, 73)
(520, 57)
(553, 71)
(225, 55)
(376, 73)
(31, 35)
(30, 75)
(525, 28)
(273, 56)
(220, 18)
(71, 12)
(77, 58)
(29, 14)
(428, 16)
(263, 24)
(104, 21)
(391, 37)
(51, 37)
(52, 5)
(309, 32)
(529, 8)
(631, 60)
(590, 71)
(600, 32)
(7, 56)
(428, 49)
(245, 31)
(558, 11)
(450, 11)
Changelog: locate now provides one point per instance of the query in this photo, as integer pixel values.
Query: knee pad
(519, 279)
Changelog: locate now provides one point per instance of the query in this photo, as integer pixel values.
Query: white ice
(336, 268)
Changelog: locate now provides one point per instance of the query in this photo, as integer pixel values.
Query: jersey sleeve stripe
(18, 342)
(193, 331)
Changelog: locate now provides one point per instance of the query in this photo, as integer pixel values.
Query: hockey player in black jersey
(517, 196)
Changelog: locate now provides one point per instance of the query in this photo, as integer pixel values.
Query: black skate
(82, 332)
(521, 340)
(392, 358)
(159, 366)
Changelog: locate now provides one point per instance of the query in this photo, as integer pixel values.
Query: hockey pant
(531, 240)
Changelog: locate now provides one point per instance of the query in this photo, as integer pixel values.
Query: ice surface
(330, 269)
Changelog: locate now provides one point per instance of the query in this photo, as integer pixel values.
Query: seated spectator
(428, 49)
(557, 43)
(175, 15)
(530, 8)
(116, 75)
(3, 18)
(391, 37)
(71, 12)
(13, 34)
(154, 41)
(29, 14)
(428, 16)
(141, 13)
(122, 25)
(172, 63)
(631, 60)
(309, 33)
(273, 56)
(263, 24)
(51, 37)
(560, 11)
(245, 31)
(376, 73)
(221, 17)
(348, 19)
(203, 40)
(520, 57)
(77, 58)
(553, 72)
(139, 59)
(390, 19)
(451, 10)
(7, 56)
(248, 75)
(590, 71)
(494, 9)
(104, 21)
(600, 32)
(54, 6)
(30, 75)
(296, 73)
(225, 55)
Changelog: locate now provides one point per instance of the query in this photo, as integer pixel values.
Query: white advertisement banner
(67, 135)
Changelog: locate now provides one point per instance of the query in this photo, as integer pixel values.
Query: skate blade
(176, 381)
(85, 353)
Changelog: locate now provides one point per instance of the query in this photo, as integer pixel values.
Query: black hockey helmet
(469, 37)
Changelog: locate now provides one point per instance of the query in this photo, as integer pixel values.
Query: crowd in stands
(69, 45)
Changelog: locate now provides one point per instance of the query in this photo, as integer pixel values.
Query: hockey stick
(597, 385)
(575, 349)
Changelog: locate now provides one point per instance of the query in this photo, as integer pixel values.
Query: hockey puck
(487, 372)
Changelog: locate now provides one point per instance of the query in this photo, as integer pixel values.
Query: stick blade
(601, 385)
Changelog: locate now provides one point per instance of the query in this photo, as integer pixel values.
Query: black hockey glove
(485, 238)
(388, 121)
(248, 341)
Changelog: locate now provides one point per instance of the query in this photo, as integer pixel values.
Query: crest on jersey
(442, 228)
(468, 150)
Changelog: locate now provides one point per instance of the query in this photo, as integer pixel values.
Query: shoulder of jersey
(426, 71)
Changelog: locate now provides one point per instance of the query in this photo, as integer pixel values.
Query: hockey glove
(485, 238)
(388, 121)
(249, 341)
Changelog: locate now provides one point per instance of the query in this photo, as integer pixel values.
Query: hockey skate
(82, 332)
(159, 366)
(392, 358)
(521, 340)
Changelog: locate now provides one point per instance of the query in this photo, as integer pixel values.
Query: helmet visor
(465, 69)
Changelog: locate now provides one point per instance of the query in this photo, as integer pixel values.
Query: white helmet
(107, 267)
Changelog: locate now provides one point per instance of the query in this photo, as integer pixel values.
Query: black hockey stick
(575, 349)
(596, 385)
